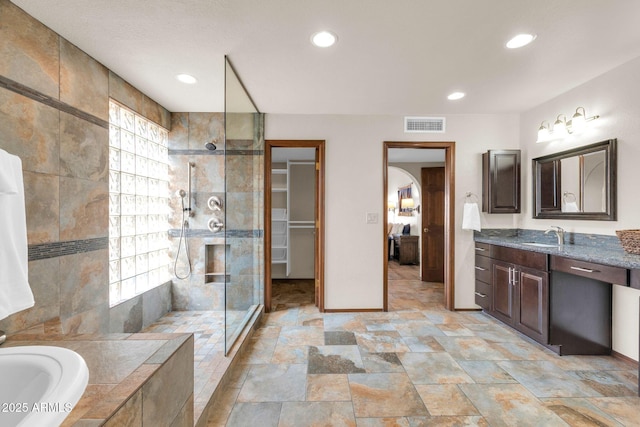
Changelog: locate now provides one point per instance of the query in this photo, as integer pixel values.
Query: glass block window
(138, 204)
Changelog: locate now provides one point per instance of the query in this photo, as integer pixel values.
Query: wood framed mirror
(577, 184)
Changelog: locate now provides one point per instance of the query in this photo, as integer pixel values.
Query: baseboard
(625, 358)
(467, 309)
(352, 310)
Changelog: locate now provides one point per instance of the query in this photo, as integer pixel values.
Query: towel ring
(568, 197)
(470, 197)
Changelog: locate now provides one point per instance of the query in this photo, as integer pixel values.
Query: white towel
(471, 217)
(15, 293)
(571, 207)
(8, 183)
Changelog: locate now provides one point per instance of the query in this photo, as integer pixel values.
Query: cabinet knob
(426, 230)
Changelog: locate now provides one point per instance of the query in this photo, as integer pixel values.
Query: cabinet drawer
(635, 279)
(483, 295)
(604, 273)
(483, 268)
(535, 260)
(483, 249)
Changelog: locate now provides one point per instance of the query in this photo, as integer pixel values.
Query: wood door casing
(319, 244)
(449, 148)
(432, 182)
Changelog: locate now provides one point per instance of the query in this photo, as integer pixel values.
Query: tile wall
(54, 116)
(243, 206)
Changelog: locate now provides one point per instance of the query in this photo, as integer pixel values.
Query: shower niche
(215, 256)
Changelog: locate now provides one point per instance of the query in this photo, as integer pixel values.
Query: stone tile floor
(418, 365)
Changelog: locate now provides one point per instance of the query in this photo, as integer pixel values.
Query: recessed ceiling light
(520, 40)
(324, 39)
(455, 95)
(186, 78)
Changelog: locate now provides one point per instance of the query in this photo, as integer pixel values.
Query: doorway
(294, 220)
(437, 188)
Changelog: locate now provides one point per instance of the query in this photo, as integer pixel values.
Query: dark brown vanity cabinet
(501, 181)
(588, 287)
(484, 276)
(521, 291)
(513, 286)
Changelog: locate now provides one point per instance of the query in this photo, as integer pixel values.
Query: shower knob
(215, 203)
(215, 224)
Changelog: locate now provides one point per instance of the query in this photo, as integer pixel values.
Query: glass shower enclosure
(241, 210)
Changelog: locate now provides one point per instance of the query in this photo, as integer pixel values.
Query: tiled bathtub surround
(53, 114)
(128, 377)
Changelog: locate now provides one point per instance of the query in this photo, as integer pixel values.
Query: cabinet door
(532, 304)
(503, 291)
(501, 181)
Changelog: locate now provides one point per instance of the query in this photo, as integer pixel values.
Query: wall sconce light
(391, 206)
(562, 127)
(408, 205)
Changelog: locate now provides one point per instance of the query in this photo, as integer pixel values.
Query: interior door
(433, 188)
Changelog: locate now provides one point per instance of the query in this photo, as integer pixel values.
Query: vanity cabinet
(521, 291)
(501, 181)
(513, 286)
(586, 285)
(484, 276)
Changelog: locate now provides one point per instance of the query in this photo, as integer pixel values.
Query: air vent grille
(424, 124)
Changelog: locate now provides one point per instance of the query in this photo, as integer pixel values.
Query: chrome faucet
(559, 234)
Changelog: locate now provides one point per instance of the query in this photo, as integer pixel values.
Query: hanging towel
(8, 183)
(471, 217)
(15, 293)
(570, 207)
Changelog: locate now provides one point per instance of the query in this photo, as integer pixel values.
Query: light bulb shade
(391, 206)
(560, 126)
(579, 120)
(543, 133)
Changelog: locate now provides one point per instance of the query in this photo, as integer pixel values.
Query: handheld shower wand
(184, 226)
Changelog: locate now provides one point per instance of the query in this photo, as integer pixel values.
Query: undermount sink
(39, 385)
(540, 245)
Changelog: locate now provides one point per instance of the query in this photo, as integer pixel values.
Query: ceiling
(399, 57)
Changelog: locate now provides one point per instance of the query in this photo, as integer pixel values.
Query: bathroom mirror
(576, 184)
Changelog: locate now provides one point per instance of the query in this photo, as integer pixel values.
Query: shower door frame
(319, 245)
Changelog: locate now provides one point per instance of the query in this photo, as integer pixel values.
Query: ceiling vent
(424, 124)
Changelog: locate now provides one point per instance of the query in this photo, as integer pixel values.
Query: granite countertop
(595, 248)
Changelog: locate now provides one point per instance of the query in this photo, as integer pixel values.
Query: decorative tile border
(205, 233)
(51, 102)
(218, 152)
(58, 249)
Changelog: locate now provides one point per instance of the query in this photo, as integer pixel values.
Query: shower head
(181, 193)
(210, 146)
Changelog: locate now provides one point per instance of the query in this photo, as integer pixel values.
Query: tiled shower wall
(243, 200)
(54, 116)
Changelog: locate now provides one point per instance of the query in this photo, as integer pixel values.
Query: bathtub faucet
(3, 337)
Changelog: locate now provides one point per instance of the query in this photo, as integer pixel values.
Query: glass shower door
(243, 213)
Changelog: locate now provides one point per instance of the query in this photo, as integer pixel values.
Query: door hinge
(317, 166)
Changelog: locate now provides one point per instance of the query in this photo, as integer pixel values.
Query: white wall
(615, 97)
(354, 187)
